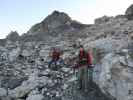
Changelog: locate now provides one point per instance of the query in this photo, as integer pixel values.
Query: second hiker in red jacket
(84, 62)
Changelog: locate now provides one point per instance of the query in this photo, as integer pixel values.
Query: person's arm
(90, 59)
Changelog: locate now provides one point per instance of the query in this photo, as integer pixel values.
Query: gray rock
(103, 20)
(115, 77)
(129, 12)
(35, 97)
(13, 36)
(54, 20)
(3, 92)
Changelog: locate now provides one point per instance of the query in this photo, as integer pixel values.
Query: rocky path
(93, 93)
(56, 85)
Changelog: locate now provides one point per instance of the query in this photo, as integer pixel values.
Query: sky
(20, 15)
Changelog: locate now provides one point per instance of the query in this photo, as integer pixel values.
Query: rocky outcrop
(112, 71)
(13, 36)
(115, 76)
(51, 22)
(103, 20)
(129, 12)
(57, 24)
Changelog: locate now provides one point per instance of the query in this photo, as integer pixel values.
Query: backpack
(83, 57)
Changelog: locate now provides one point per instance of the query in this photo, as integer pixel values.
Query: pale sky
(20, 15)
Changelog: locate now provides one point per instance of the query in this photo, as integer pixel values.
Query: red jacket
(55, 55)
(90, 58)
(85, 58)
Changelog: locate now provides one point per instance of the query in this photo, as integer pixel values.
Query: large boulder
(129, 12)
(27, 86)
(114, 75)
(111, 71)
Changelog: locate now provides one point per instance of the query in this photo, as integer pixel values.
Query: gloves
(91, 66)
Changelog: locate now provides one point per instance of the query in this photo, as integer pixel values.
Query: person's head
(53, 49)
(58, 49)
(81, 47)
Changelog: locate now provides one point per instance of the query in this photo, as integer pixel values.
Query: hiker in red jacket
(84, 62)
(55, 55)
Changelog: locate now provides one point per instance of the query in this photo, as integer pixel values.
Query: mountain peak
(52, 21)
(55, 12)
(57, 16)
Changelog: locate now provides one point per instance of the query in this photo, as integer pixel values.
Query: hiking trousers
(83, 77)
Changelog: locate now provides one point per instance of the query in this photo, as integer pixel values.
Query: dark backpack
(83, 57)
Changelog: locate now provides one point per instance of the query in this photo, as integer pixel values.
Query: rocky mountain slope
(57, 24)
(24, 72)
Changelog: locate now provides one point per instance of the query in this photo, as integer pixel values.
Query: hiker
(90, 64)
(55, 55)
(84, 62)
